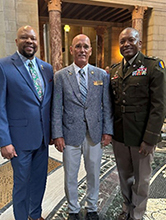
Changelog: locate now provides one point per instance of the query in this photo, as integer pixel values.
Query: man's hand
(146, 148)
(59, 144)
(8, 152)
(106, 139)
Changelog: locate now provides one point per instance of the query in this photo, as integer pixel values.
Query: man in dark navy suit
(25, 97)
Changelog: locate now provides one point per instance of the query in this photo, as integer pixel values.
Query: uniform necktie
(83, 87)
(126, 66)
(36, 80)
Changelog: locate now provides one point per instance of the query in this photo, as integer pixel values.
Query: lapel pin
(42, 67)
(70, 73)
(92, 72)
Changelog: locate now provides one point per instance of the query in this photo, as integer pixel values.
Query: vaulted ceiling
(96, 13)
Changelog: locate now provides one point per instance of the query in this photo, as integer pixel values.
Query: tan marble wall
(2, 32)
(14, 14)
(156, 37)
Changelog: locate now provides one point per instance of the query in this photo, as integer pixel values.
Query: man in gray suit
(81, 123)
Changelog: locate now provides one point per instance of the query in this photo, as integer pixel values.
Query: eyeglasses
(80, 46)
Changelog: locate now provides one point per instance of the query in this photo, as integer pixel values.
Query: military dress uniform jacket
(139, 100)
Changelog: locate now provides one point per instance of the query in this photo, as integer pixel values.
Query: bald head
(81, 37)
(27, 41)
(81, 50)
(130, 30)
(26, 28)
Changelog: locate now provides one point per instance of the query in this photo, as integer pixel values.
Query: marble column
(54, 8)
(137, 19)
(100, 30)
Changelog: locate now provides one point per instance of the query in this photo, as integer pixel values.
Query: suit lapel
(135, 65)
(91, 79)
(119, 71)
(74, 84)
(17, 62)
(71, 76)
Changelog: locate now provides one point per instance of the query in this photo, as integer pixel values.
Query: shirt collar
(76, 68)
(26, 60)
(132, 59)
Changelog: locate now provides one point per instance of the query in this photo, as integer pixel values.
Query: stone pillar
(54, 8)
(137, 19)
(100, 30)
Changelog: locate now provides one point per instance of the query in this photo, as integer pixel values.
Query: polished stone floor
(110, 200)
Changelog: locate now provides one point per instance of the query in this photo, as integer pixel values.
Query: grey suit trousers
(92, 160)
(134, 173)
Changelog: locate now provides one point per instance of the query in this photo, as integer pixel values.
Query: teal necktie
(83, 87)
(36, 80)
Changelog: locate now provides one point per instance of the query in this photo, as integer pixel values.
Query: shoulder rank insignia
(161, 64)
(151, 57)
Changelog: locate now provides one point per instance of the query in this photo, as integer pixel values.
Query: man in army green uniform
(139, 92)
